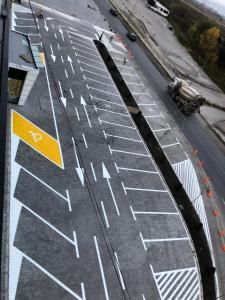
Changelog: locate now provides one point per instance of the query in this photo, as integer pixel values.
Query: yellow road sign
(38, 139)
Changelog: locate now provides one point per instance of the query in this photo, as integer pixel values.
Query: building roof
(20, 52)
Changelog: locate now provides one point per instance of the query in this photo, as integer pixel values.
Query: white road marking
(143, 297)
(150, 213)
(76, 244)
(88, 48)
(79, 170)
(125, 74)
(85, 142)
(71, 63)
(75, 295)
(81, 62)
(55, 36)
(111, 112)
(115, 124)
(100, 99)
(125, 192)
(101, 268)
(136, 170)
(104, 213)
(63, 99)
(121, 137)
(107, 177)
(156, 116)
(87, 78)
(53, 27)
(134, 83)
(83, 51)
(66, 73)
(120, 274)
(93, 171)
(97, 74)
(127, 152)
(82, 101)
(46, 185)
(84, 42)
(62, 59)
(104, 92)
(45, 26)
(78, 117)
(61, 32)
(58, 46)
(123, 66)
(146, 104)
(71, 93)
(166, 240)
(52, 54)
(137, 94)
(162, 129)
(170, 145)
(68, 197)
(53, 112)
(145, 190)
(143, 241)
(94, 60)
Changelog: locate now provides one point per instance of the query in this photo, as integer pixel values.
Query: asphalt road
(199, 137)
(82, 225)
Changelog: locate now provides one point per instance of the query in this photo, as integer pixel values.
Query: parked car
(113, 12)
(132, 36)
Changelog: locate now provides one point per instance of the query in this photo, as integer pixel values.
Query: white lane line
(58, 46)
(170, 145)
(97, 74)
(69, 202)
(125, 192)
(83, 63)
(144, 190)
(66, 73)
(123, 66)
(93, 171)
(53, 112)
(85, 142)
(143, 241)
(82, 102)
(143, 297)
(88, 48)
(134, 83)
(115, 124)
(46, 185)
(71, 93)
(107, 176)
(76, 244)
(53, 27)
(137, 94)
(150, 213)
(55, 36)
(102, 91)
(79, 170)
(78, 117)
(166, 240)
(101, 268)
(103, 100)
(82, 41)
(48, 224)
(156, 116)
(75, 295)
(62, 59)
(136, 170)
(120, 274)
(90, 79)
(83, 51)
(111, 112)
(127, 152)
(162, 129)
(104, 213)
(121, 137)
(146, 104)
(125, 74)
(94, 60)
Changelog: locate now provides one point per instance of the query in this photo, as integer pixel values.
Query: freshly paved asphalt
(199, 137)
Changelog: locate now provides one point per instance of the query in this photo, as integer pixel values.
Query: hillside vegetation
(203, 37)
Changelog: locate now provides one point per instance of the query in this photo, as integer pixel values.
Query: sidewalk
(174, 58)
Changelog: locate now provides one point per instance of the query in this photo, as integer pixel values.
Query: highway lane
(200, 138)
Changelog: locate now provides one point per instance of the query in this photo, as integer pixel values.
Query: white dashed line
(104, 213)
(93, 171)
(85, 142)
(78, 117)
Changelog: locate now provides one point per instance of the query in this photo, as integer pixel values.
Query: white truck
(157, 7)
(187, 98)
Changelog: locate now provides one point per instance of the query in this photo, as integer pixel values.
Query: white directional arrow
(52, 54)
(107, 177)
(70, 61)
(80, 171)
(60, 30)
(84, 105)
(63, 99)
(46, 27)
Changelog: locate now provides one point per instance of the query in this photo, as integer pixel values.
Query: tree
(208, 44)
